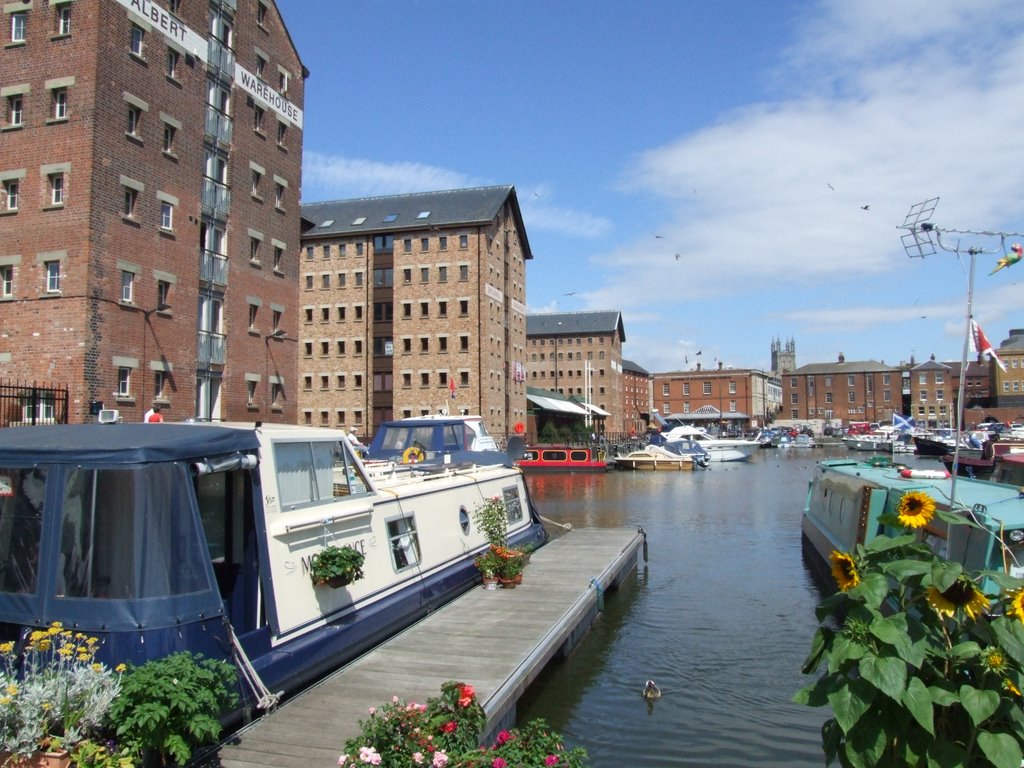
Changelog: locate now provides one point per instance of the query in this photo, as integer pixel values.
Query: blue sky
(700, 167)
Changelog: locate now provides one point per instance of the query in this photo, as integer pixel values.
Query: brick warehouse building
(146, 147)
(413, 304)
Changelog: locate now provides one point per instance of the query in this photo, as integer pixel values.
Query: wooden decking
(496, 641)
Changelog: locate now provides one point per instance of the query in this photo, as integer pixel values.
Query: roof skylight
(423, 214)
(327, 223)
(360, 220)
(390, 217)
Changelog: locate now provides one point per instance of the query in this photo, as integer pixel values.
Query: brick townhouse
(148, 147)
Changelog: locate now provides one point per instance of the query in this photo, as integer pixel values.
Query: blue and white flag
(902, 423)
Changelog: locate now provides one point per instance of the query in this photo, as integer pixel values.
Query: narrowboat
(563, 458)
(197, 537)
(845, 499)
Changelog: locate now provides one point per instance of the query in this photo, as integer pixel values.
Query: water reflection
(721, 618)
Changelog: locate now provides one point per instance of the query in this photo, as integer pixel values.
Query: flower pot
(335, 582)
(60, 759)
(509, 583)
(490, 583)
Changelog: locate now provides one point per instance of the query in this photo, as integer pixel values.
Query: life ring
(925, 474)
(412, 455)
(520, 427)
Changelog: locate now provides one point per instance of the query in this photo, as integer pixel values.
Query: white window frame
(15, 110)
(12, 190)
(64, 20)
(166, 216)
(134, 121)
(19, 21)
(57, 191)
(124, 381)
(131, 199)
(138, 41)
(7, 281)
(52, 276)
(60, 103)
(127, 286)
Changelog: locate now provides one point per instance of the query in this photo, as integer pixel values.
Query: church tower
(783, 357)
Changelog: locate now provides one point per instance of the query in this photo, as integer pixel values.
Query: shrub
(171, 705)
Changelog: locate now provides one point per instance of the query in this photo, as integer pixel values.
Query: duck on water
(158, 539)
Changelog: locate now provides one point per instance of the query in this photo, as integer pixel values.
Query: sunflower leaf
(903, 569)
(942, 695)
(1001, 749)
(955, 519)
(873, 589)
(918, 701)
(890, 629)
(885, 543)
(978, 704)
(850, 702)
(887, 673)
(944, 573)
(966, 650)
(819, 646)
(1010, 633)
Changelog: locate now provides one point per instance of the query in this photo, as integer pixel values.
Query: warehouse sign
(168, 25)
(266, 95)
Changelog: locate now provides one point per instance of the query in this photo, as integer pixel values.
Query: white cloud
(332, 177)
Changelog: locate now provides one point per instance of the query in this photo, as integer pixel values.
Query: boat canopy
(553, 404)
(100, 525)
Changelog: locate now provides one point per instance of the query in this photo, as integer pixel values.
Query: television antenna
(923, 238)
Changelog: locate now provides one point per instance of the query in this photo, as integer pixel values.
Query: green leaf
(903, 569)
(887, 673)
(1001, 749)
(873, 590)
(885, 543)
(845, 649)
(966, 650)
(943, 696)
(819, 644)
(979, 704)
(943, 754)
(890, 629)
(944, 573)
(1010, 633)
(919, 702)
(850, 702)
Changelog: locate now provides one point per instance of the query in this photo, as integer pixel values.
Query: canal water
(720, 617)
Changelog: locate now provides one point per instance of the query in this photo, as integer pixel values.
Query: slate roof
(848, 366)
(412, 212)
(629, 365)
(575, 323)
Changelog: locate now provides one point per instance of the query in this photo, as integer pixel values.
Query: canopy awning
(560, 406)
(594, 410)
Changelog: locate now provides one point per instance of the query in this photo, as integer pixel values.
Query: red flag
(451, 386)
(982, 346)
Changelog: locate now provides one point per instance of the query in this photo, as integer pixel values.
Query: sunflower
(916, 509)
(1016, 607)
(1011, 688)
(994, 660)
(844, 570)
(962, 593)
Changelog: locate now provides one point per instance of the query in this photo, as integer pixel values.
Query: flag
(451, 386)
(982, 346)
(902, 422)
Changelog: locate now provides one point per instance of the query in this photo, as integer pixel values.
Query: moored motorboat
(846, 498)
(563, 458)
(158, 539)
(672, 457)
(718, 448)
(435, 439)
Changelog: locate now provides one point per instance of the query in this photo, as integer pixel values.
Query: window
(463, 241)
(15, 112)
(442, 274)
(424, 243)
(463, 307)
(278, 257)
(254, 249)
(257, 177)
(170, 134)
(124, 382)
(18, 27)
(283, 80)
(424, 274)
(707, 387)
(59, 101)
(257, 119)
(138, 40)
(250, 393)
(261, 13)
(261, 66)
(56, 188)
(11, 189)
(7, 282)
(282, 132)
(127, 286)
(442, 309)
(442, 243)
(52, 276)
(166, 216)
(463, 272)
(163, 294)
(173, 58)
(276, 320)
(278, 195)
(63, 25)
(325, 280)
(134, 121)
(131, 197)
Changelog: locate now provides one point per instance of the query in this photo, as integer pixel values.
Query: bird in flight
(865, 207)
(677, 257)
(831, 187)
(658, 237)
(571, 293)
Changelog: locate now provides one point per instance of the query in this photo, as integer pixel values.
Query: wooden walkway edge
(497, 641)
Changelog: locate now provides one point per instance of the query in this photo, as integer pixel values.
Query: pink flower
(342, 760)
(503, 736)
(440, 759)
(417, 757)
(369, 755)
(373, 710)
(551, 760)
(499, 762)
(466, 694)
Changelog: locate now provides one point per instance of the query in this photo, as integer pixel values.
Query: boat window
(316, 473)
(22, 492)
(404, 542)
(554, 455)
(400, 438)
(128, 534)
(512, 504)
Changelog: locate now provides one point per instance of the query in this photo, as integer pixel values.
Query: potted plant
(510, 569)
(335, 566)
(491, 519)
(489, 564)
